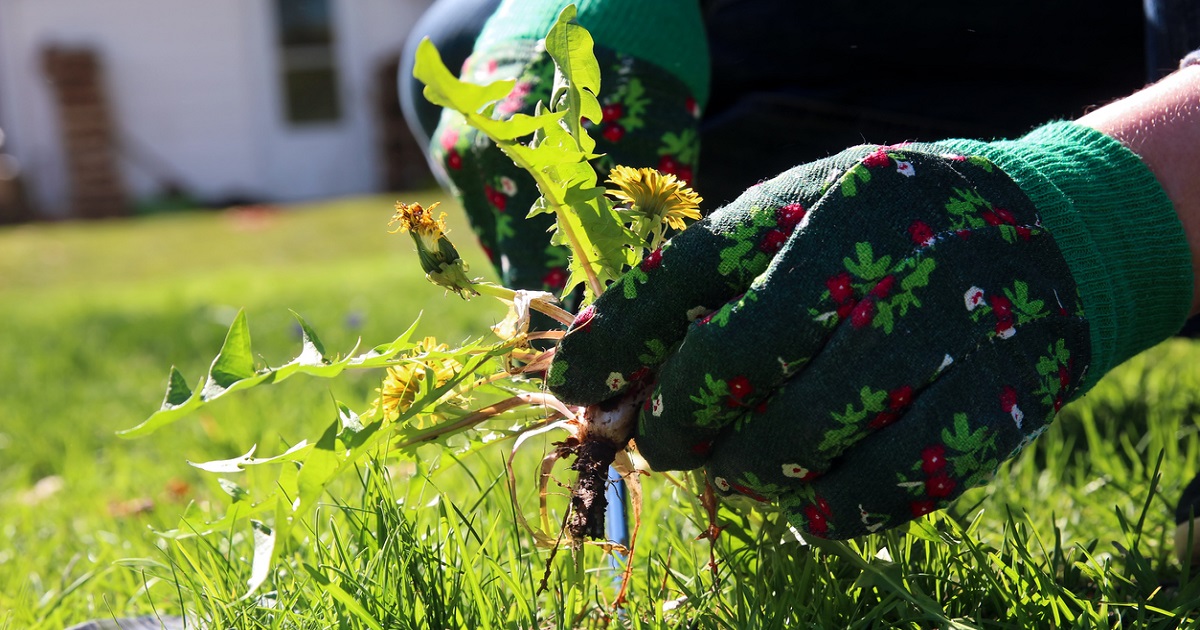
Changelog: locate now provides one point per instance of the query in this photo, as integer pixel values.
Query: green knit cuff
(1116, 228)
(667, 33)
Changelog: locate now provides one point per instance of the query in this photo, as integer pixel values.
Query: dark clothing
(797, 81)
(452, 26)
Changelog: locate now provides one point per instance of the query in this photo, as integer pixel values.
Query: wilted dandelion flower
(439, 258)
(655, 200)
(403, 382)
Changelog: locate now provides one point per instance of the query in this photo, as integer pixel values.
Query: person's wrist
(1161, 124)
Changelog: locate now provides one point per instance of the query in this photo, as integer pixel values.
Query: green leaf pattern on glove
(860, 339)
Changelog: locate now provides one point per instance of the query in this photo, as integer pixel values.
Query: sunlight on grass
(1075, 533)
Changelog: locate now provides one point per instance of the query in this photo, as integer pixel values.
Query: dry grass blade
(633, 483)
(540, 537)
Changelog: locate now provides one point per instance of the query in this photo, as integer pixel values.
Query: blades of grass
(920, 600)
(55, 601)
(198, 574)
(505, 576)
(345, 599)
(482, 605)
(1155, 479)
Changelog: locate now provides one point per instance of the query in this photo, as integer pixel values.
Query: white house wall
(195, 88)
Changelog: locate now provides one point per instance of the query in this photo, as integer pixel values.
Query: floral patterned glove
(649, 119)
(863, 338)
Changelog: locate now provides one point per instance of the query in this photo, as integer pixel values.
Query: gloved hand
(865, 337)
(650, 107)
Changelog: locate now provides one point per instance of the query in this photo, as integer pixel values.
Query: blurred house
(105, 104)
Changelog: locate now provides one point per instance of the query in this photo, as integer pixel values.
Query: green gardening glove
(650, 108)
(863, 338)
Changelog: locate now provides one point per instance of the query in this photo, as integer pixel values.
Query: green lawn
(1076, 533)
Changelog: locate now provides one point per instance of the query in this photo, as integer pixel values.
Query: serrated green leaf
(227, 465)
(312, 351)
(235, 491)
(474, 102)
(178, 391)
(238, 464)
(379, 356)
(238, 511)
(350, 421)
(357, 441)
(444, 89)
(518, 126)
(234, 362)
(570, 45)
(558, 156)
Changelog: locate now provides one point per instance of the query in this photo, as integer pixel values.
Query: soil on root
(588, 498)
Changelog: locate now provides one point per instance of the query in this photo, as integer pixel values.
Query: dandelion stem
(533, 399)
(560, 216)
(495, 290)
(592, 280)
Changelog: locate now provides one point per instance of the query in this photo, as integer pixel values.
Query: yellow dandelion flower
(404, 382)
(439, 258)
(654, 199)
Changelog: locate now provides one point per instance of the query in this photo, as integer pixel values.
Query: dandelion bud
(439, 259)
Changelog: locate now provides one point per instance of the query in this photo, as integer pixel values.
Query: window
(310, 78)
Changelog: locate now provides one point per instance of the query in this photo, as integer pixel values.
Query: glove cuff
(667, 33)
(1117, 231)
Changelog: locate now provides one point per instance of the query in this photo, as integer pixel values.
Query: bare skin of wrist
(1161, 123)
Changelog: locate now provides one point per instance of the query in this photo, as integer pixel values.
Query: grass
(1075, 533)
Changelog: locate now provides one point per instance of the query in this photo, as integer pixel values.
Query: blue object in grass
(616, 523)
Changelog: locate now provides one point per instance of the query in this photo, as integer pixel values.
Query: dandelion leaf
(558, 155)
(319, 467)
(234, 362)
(178, 391)
(312, 351)
(475, 102)
(264, 553)
(233, 370)
(570, 45)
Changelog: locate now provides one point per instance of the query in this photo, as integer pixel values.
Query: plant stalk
(474, 418)
(509, 295)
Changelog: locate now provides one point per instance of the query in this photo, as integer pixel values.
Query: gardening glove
(863, 338)
(654, 76)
